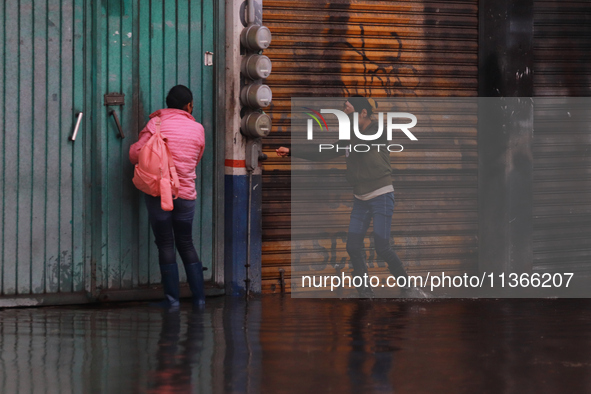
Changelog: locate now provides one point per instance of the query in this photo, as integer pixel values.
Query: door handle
(73, 138)
(112, 112)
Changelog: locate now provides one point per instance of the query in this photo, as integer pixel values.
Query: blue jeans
(380, 209)
(173, 228)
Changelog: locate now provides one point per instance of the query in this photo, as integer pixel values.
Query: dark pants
(173, 228)
(380, 209)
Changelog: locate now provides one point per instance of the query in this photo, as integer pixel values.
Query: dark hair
(178, 97)
(360, 103)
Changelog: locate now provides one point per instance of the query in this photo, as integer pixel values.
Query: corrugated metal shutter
(42, 218)
(379, 49)
(145, 49)
(71, 220)
(562, 142)
(562, 44)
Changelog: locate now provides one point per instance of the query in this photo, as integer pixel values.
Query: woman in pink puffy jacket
(186, 141)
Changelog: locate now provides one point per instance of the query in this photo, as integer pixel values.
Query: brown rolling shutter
(379, 49)
(562, 143)
(562, 48)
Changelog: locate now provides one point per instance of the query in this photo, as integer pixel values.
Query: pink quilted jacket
(186, 141)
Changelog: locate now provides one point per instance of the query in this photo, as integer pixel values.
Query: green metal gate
(143, 49)
(43, 218)
(72, 223)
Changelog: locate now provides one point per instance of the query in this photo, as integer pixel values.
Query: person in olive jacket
(370, 174)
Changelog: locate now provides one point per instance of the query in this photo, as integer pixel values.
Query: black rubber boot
(170, 284)
(195, 278)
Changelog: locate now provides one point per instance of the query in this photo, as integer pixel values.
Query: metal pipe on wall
(251, 13)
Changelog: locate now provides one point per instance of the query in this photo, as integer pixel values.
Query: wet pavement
(277, 344)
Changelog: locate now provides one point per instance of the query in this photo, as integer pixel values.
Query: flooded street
(281, 345)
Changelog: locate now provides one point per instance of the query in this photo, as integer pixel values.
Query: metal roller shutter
(379, 49)
(562, 48)
(562, 141)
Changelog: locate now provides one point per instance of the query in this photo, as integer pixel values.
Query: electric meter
(256, 37)
(256, 67)
(256, 124)
(256, 96)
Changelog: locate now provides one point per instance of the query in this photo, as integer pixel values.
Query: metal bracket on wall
(208, 59)
(114, 99)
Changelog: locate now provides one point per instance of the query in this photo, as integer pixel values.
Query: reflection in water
(242, 362)
(370, 359)
(277, 345)
(173, 372)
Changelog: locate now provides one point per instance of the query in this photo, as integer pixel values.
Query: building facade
(74, 228)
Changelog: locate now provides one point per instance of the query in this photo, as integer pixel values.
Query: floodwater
(276, 344)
